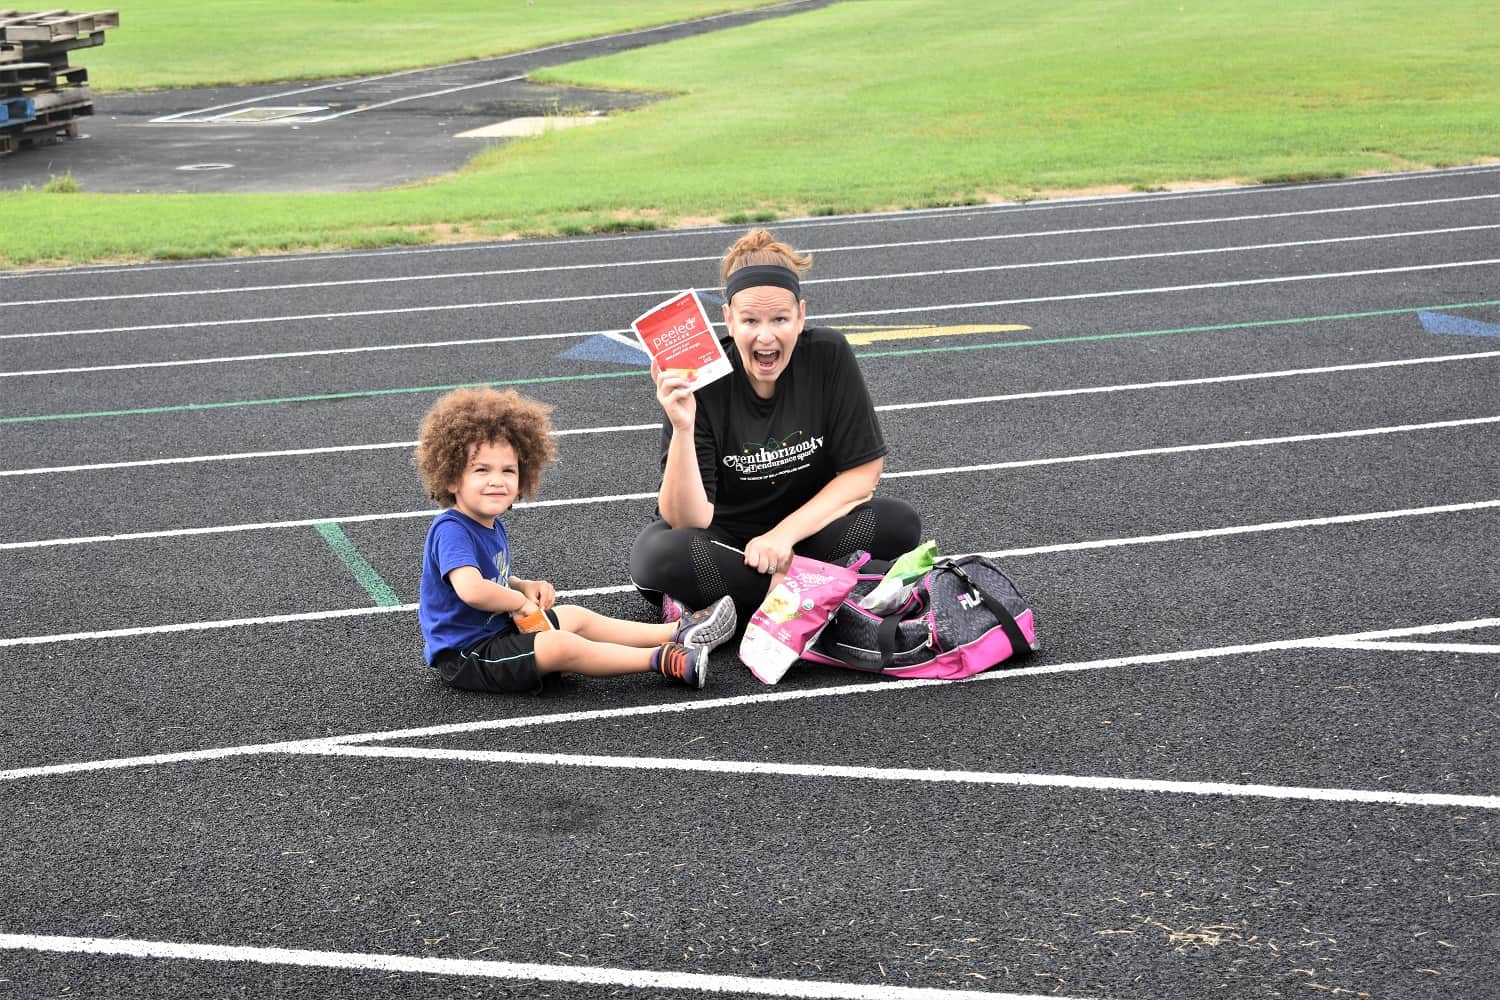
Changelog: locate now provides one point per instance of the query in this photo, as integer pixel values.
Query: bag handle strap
(889, 624)
(1020, 646)
(886, 634)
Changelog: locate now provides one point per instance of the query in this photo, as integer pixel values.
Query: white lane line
(847, 248)
(636, 979)
(209, 324)
(204, 626)
(285, 355)
(443, 344)
(1181, 382)
(820, 222)
(293, 452)
(1412, 647)
(888, 311)
(194, 459)
(1106, 543)
(866, 687)
(1096, 783)
(1248, 529)
(360, 109)
(884, 408)
(308, 522)
(1135, 226)
(274, 356)
(978, 269)
(1166, 289)
(222, 529)
(193, 117)
(1180, 449)
(651, 494)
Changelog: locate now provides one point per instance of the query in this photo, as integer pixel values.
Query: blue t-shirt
(455, 540)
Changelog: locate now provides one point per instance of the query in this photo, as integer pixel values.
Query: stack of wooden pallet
(41, 96)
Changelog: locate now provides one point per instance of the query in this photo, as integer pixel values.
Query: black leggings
(687, 564)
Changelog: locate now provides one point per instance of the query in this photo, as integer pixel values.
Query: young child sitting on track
(479, 451)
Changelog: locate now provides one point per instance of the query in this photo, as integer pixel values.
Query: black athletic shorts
(503, 663)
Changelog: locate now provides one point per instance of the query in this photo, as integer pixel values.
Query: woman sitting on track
(780, 456)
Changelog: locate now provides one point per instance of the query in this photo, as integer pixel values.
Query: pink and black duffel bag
(963, 617)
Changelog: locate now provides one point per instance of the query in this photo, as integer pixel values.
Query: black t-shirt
(761, 459)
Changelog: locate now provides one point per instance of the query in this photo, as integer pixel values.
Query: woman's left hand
(768, 554)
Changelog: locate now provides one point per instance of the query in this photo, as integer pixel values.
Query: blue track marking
(1436, 322)
(602, 347)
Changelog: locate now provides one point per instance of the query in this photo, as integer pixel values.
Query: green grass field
(889, 104)
(170, 43)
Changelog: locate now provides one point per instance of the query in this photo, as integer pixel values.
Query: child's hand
(540, 592)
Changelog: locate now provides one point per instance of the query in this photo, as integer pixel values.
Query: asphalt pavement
(1241, 455)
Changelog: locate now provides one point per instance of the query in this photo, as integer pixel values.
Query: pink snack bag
(792, 615)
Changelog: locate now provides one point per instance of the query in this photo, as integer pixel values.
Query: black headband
(762, 274)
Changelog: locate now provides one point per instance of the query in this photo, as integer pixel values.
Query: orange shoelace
(673, 661)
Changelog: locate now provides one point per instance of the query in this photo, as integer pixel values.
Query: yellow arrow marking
(871, 334)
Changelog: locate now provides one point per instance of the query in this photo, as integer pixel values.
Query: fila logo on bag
(969, 600)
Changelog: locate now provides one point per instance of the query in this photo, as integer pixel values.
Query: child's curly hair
(466, 419)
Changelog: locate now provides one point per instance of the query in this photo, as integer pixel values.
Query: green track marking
(1036, 342)
(377, 588)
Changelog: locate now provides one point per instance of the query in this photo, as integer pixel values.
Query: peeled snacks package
(537, 621)
(792, 615)
(896, 586)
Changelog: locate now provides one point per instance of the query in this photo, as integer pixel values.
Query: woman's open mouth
(765, 362)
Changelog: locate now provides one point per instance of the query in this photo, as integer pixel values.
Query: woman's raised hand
(674, 391)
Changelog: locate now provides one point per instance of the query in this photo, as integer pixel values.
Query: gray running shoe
(710, 628)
